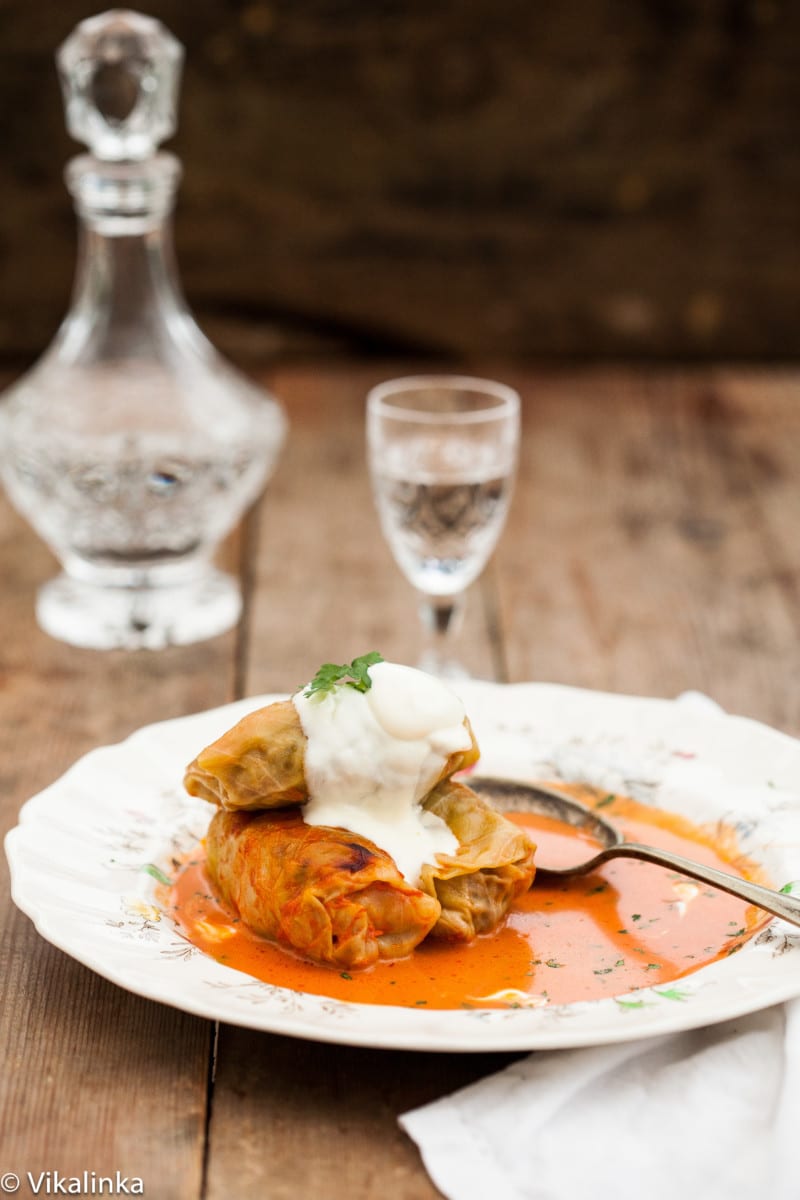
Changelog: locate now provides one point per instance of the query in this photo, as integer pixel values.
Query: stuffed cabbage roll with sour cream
(327, 894)
(395, 736)
(492, 866)
(386, 848)
(372, 757)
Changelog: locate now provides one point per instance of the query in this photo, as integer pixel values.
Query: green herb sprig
(354, 675)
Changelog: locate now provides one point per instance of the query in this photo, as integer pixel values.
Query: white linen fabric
(710, 1114)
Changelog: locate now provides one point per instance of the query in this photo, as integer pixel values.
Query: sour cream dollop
(372, 756)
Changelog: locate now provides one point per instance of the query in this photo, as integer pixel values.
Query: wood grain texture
(652, 546)
(637, 557)
(91, 1078)
(576, 179)
(320, 1120)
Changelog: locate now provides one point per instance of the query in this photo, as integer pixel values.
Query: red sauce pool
(626, 926)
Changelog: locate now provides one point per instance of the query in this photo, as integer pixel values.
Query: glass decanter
(131, 446)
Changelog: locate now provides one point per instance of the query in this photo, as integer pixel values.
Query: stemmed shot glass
(442, 455)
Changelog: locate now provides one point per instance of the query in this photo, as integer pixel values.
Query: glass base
(119, 618)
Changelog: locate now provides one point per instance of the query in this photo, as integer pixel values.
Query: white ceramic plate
(78, 853)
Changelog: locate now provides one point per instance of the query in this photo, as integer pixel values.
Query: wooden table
(653, 546)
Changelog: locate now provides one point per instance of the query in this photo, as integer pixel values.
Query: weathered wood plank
(317, 1120)
(91, 1078)
(651, 547)
(563, 180)
(635, 558)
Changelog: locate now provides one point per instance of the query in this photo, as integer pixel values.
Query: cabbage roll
(327, 894)
(256, 764)
(493, 865)
(259, 763)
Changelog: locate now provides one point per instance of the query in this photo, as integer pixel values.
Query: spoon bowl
(605, 841)
(597, 834)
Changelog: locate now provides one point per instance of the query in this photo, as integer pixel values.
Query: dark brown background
(590, 177)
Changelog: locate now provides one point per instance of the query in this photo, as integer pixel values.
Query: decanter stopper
(120, 75)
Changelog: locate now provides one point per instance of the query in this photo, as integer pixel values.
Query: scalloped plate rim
(226, 997)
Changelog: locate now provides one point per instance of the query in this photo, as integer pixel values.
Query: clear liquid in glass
(442, 505)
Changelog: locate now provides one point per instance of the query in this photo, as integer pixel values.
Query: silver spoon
(509, 796)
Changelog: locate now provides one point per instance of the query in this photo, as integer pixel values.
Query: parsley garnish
(354, 675)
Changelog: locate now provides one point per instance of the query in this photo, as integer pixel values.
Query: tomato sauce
(625, 926)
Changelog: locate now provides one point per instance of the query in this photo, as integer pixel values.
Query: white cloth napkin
(711, 1114)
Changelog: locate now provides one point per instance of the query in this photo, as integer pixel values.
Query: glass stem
(441, 619)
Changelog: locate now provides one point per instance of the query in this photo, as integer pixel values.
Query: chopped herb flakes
(607, 970)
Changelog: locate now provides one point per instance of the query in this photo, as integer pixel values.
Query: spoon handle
(780, 904)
